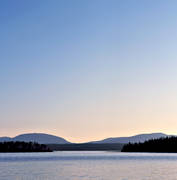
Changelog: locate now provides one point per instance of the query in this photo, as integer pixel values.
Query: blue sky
(87, 70)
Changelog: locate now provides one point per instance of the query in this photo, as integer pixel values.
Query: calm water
(88, 166)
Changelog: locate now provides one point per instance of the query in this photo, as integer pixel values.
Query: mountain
(132, 139)
(2, 139)
(40, 138)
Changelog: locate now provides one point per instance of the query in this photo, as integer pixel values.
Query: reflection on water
(88, 166)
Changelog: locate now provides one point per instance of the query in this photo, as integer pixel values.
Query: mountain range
(131, 139)
(37, 137)
(50, 139)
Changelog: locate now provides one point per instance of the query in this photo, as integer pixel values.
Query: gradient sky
(88, 69)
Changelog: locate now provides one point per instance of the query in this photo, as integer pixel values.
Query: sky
(88, 69)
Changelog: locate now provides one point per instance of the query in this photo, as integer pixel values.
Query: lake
(88, 166)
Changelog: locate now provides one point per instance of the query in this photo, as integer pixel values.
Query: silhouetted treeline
(23, 147)
(86, 147)
(168, 144)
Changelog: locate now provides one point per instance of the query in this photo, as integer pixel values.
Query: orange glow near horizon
(89, 138)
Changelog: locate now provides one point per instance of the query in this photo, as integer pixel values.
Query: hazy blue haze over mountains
(37, 137)
(132, 139)
(50, 139)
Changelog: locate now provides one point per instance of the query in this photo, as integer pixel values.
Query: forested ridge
(168, 144)
(23, 147)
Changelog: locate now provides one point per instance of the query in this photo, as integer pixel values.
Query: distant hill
(40, 138)
(131, 139)
(3, 139)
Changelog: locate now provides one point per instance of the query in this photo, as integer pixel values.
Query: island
(161, 145)
(19, 146)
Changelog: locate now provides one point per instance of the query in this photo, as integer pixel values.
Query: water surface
(88, 166)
